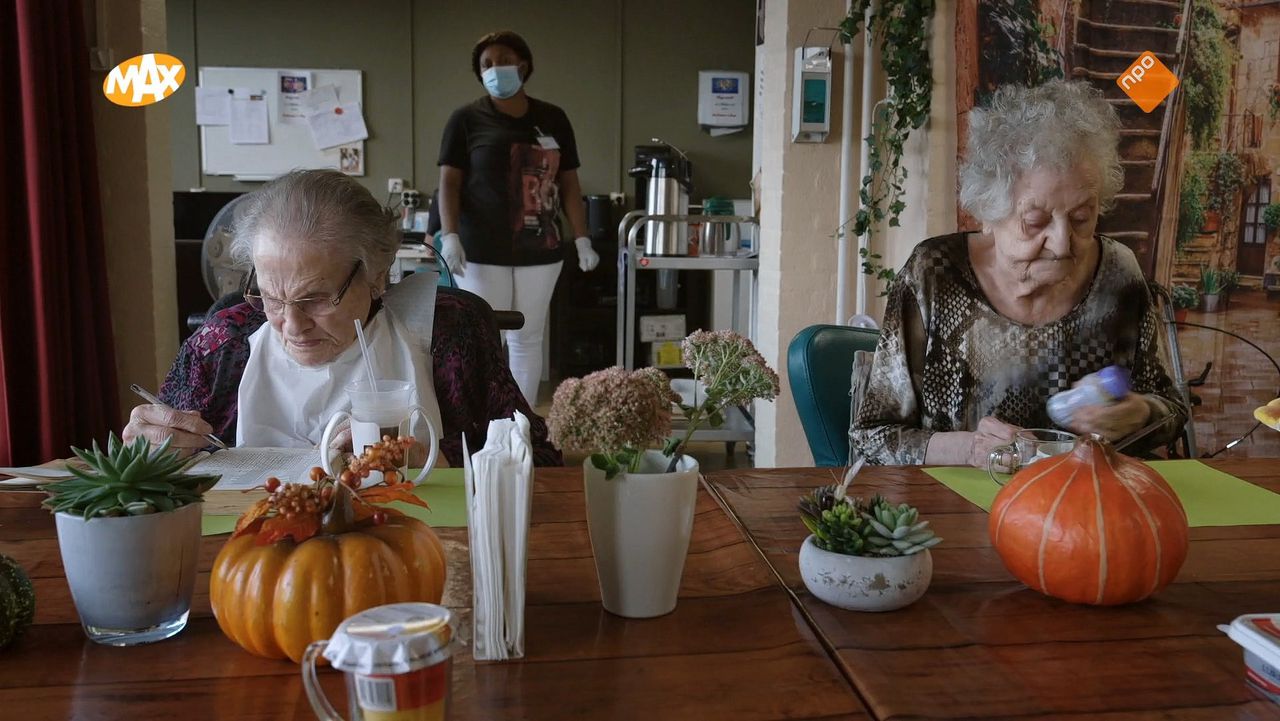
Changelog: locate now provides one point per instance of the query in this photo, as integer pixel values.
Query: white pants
(526, 289)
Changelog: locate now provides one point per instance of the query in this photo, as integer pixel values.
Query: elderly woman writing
(980, 329)
(273, 370)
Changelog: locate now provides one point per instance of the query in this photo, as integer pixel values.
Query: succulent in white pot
(129, 531)
(864, 556)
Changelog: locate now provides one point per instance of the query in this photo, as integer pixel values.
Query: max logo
(144, 79)
(1147, 81)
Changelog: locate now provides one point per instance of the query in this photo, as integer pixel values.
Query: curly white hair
(1059, 124)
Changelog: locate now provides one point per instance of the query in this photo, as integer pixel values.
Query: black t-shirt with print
(510, 197)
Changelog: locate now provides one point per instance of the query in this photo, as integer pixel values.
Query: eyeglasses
(315, 306)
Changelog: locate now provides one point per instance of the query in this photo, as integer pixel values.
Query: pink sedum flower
(612, 410)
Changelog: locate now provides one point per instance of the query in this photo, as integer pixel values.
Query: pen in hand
(151, 398)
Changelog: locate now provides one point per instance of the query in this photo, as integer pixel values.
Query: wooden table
(735, 647)
(979, 645)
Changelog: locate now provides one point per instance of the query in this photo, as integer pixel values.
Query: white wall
(799, 203)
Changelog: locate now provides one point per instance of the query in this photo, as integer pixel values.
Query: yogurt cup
(1259, 634)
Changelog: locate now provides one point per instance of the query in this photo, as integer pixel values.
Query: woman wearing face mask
(508, 163)
(981, 328)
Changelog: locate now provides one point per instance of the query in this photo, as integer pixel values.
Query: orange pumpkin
(275, 599)
(1090, 526)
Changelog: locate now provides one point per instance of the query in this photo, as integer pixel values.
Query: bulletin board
(291, 146)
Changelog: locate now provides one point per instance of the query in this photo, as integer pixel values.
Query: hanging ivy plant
(1193, 202)
(1227, 179)
(1207, 77)
(904, 51)
(1191, 209)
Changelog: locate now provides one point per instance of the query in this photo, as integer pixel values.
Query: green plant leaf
(601, 461)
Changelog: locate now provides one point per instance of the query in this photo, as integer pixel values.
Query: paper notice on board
(343, 124)
(213, 105)
(294, 87)
(250, 119)
(324, 97)
(722, 99)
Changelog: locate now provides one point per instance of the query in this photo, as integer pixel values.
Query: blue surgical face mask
(502, 81)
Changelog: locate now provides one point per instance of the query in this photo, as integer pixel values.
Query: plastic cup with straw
(364, 353)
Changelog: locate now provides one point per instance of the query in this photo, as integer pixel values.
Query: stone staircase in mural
(1110, 35)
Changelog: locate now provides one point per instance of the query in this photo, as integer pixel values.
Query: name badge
(548, 143)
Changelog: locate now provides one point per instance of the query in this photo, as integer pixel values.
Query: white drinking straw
(364, 350)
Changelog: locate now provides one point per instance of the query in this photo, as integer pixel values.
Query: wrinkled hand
(991, 432)
(588, 258)
(1113, 421)
(156, 423)
(454, 256)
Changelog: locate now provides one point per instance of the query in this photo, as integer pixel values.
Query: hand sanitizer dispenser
(811, 95)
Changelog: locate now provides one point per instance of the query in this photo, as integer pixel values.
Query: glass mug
(398, 662)
(1029, 445)
(387, 410)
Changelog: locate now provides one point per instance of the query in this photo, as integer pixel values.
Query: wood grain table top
(980, 645)
(734, 648)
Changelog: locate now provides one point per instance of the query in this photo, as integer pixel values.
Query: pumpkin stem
(341, 514)
(1092, 443)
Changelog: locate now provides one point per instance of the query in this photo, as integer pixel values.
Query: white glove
(588, 258)
(451, 251)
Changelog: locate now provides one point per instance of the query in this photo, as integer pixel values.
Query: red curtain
(57, 361)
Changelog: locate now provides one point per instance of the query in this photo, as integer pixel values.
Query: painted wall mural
(1200, 205)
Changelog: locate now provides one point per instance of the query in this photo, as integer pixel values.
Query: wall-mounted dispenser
(811, 95)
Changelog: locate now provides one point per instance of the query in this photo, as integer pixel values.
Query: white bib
(284, 404)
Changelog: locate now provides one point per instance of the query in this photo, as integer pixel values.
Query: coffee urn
(665, 174)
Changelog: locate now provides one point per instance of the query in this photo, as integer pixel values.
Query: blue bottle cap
(1115, 381)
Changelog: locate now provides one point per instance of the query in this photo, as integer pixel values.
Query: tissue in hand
(499, 481)
(1106, 386)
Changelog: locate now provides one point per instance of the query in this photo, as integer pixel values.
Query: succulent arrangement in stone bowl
(864, 555)
(853, 527)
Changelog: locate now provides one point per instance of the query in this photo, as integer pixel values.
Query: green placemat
(1210, 497)
(442, 489)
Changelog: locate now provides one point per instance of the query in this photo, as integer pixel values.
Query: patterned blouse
(473, 382)
(946, 358)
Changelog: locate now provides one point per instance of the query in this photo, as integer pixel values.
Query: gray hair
(321, 207)
(1055, 125)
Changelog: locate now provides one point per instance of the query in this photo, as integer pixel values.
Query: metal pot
(719, 239)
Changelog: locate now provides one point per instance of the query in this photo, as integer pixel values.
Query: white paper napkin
(498, 482)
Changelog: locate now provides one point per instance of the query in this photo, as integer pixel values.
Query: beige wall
(134, 179)
(799, 204)
(623, 70)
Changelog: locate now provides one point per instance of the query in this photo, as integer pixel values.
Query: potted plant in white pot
(1211, 286)
(864, 556)
(640, 501)
(129, 532)
(1185, 298)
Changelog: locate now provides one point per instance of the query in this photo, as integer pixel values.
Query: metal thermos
(666, 196)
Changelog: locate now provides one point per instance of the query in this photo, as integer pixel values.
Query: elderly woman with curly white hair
(981, 328)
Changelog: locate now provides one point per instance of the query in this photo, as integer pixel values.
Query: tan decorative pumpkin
(1090, 526)
(275, 599)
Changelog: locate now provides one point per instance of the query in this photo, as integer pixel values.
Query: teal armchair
(820, 366)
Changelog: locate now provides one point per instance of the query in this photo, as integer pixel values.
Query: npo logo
(144, 79)
(1147, 81)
